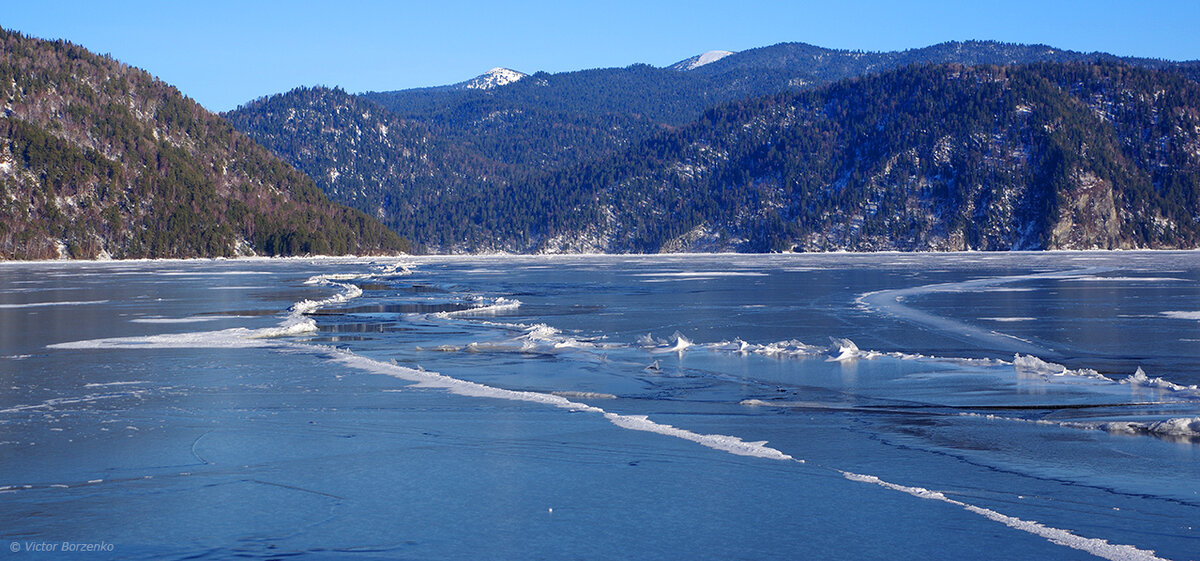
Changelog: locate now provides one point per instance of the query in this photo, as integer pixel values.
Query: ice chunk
(1140, 379)
(1030, 366)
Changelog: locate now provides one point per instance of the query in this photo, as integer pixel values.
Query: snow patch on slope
(700, 60)
(493, 78)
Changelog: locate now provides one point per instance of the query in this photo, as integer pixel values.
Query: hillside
(367, 157)
(1048, 156)
(99, 159)
(406, 172)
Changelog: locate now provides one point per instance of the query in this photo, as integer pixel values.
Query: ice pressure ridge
(1098, 547)
(542, 338)
(426, 379)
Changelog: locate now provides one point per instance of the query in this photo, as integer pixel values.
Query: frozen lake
(847, 406)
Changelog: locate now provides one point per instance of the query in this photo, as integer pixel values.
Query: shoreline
(248, 259)
(501, 255)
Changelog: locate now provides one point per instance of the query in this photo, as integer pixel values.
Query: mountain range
(957, 146)
(963, 145)
(99, 159)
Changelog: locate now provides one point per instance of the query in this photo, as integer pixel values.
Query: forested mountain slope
(531, 165)
(1048, 156)
(100, 159)
(924, 158)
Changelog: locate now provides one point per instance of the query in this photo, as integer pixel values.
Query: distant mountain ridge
(98, 159)
(505, 168)
(668, 96)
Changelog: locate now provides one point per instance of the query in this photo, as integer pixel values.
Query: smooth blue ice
(887, 406)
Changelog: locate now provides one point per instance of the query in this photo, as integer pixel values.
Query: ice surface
(891, 302)
(52, 404)
(837, 405)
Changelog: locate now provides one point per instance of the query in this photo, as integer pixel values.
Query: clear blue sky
(224, 53)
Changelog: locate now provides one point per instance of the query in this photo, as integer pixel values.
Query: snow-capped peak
(493, 78)
(700, 60)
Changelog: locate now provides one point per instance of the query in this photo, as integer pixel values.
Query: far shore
(502, 255)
